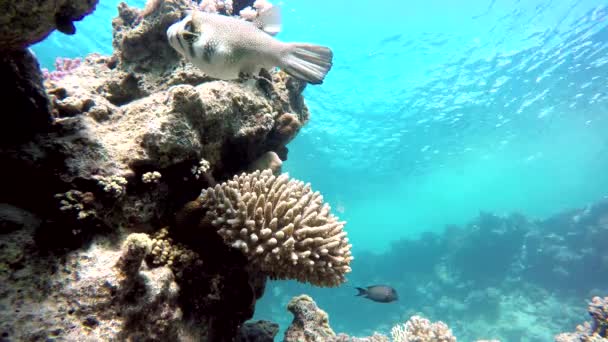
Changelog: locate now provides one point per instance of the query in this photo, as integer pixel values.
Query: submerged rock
(25, 22)
(259, 331)
(311, 324)
(28, 110)
(97, 293)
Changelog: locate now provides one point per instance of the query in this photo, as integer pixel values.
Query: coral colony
(63, 67)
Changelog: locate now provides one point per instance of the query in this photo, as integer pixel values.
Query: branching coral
(63, 66)
(418, 329)
(151, 177)
(114, 185)
(81, 204)
(283, 227)
(163, 251)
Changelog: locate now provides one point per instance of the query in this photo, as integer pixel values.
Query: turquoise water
(433, 112)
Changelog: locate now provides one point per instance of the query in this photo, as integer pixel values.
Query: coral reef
(490, 277)
(311, 324)
(113, 125)
(283, 227)
(102, 153)
(594, 331)
(23, 23)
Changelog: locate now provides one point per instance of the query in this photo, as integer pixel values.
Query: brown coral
(283, 227)
(286, 128)
(164, 251)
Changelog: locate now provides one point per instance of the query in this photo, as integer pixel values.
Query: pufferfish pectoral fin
(269, 20)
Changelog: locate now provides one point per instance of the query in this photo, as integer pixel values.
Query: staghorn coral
(281, 225)
(418, 329)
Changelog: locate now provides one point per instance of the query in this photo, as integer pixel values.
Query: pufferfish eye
(188, 26)
(188, 33)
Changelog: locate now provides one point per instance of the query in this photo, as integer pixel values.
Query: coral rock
(80, 296)
(23, 23)
(260, 331)
(310, 324)
(26, 108)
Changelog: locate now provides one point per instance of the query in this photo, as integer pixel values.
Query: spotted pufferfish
(229, 48)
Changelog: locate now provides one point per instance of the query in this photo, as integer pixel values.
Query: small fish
(379, 293)
(229, 48)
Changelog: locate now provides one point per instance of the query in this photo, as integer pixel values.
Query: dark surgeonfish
(379, 293)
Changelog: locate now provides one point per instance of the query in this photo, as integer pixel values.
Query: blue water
(433, 112)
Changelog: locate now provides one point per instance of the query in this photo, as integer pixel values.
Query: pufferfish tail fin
(307, 62)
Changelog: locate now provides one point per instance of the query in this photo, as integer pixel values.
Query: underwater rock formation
(23, 23)
(311, 324)
(112, 125)
(29, 110)
(259, 331)
(100, 291)
(107, 154)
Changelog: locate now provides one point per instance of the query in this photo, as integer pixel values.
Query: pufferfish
(229, 48)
